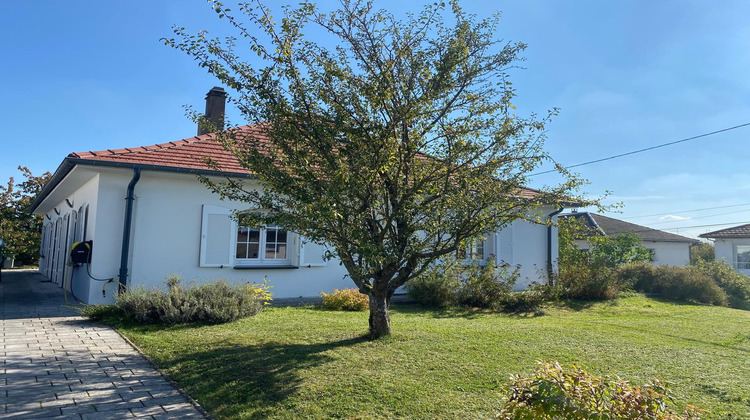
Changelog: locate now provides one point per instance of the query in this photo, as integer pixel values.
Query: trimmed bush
(585, 280)
(636, 276)
(735, 285)
(680, 283)
(486, 286)
(210, 303)
(436, 287)
(523, 302)
(555, 393)
(345, 300)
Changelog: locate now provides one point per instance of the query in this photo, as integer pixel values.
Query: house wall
(167, 235)
(670, 253)
(666, 253)
(524, 244)
(56, 242)
(166, 239)
(726, 250)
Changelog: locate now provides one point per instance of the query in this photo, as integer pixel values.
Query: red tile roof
(742, 231)
(191, 153)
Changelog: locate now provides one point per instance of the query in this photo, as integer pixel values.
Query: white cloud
(673, 217)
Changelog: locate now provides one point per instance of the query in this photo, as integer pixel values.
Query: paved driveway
(57, 364)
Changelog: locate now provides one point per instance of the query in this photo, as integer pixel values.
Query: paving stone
(57, 364)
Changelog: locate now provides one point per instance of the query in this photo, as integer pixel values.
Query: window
(743, 257)
(261, 246)
(475, 252)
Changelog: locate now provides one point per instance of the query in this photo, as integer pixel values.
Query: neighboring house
(733, 246)
(148, 216)
(667, 248)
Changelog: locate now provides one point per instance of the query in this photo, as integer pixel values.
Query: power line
(647, 148)
(700, 217)
(684, 211)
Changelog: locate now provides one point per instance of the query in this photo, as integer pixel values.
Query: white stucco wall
(102, 216)
(524, 244)
(166, 240)
(670, 253)
(726, 250)
(667, 253)
(166, 237)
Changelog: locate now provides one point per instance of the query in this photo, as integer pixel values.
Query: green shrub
(635, 276)
(526, 301)
(485, 286)
(585, 280)
(554, 393)
(101, 312)
(345, 300)
(454, 283)
(680, 283)
(210, 303)
(437, 287)
(735, 285)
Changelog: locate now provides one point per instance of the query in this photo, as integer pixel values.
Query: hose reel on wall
(80, 252)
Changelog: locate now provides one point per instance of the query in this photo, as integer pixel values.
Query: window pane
(242, 234)
(270, 251)
(270, 235)
(241, 250)
(743, 253)
(281, 238)
(252, 251)
(254, 235)
(281, 251)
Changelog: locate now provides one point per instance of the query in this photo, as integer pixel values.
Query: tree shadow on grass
(230, 379)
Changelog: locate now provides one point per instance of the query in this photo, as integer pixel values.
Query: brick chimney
(216, 99)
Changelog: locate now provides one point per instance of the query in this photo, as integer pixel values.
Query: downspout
(550, 271)
(126, 229)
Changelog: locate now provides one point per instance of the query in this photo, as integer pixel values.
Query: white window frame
(262, 241)
(470, 254)
(741, 265)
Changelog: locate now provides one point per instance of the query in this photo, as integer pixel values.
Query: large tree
(394, 142)
(20, 230)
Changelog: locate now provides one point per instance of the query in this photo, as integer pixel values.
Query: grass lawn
(310, 363)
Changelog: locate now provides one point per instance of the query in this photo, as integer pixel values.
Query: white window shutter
(217, 234)
(311, 254)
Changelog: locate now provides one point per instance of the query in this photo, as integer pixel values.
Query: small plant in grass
(555, 393)
(210, 303)
(525, 301)
(101, 312)
(345, 300)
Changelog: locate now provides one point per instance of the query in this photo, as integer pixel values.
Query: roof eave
(69, 163)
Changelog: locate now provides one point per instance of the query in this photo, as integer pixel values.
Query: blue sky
(93, 75)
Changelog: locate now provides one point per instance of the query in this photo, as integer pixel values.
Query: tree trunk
(380, 321)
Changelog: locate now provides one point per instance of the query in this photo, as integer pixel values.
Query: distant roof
(608, 226)
(742, 231)
(186, 155)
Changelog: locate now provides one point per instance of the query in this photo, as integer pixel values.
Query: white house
(733, 246)
(148, 216)
(666, 248)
